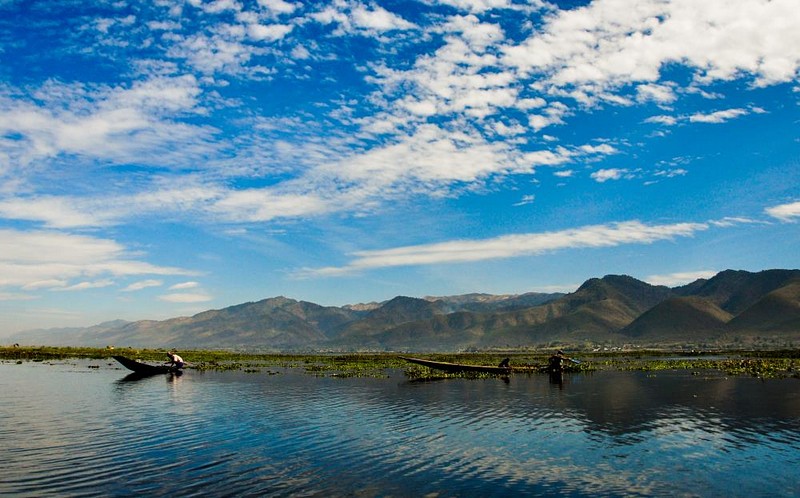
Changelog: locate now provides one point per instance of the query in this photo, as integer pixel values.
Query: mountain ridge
(733, 307)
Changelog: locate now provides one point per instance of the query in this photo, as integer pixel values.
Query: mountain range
(733, 308)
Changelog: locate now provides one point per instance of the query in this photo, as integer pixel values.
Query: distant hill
(69, 336)
(392, 313)
(735, 291)
(731, 308)
(679, 319)
(481, 303)
(777, 311)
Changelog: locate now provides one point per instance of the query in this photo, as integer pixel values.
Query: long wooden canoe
(463, 367)
(144, 368)
(458, 367)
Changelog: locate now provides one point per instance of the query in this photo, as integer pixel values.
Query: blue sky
(162, 158)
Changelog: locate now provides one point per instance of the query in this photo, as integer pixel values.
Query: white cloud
(143, 284)
(215, 53)
(460, 79)
(671, 173)
(300, 53)
(216, 6)
(718, 116)
(45, 259)
(96, 284)
(104, 209)
(120, 125)
(664, 120)
(360, 18)
(608, 44)
(661, 94)
(11, 296)
(526, 199)
(509, 246)
(478, 6)
(378, 19)
(680, 278)
(278, 6)
(185, 285)
(45, 284)
(56, 212)
(515, 129)
(730, 221)
(610, 50)
(272, 32)
(604, 175)
(431, 155)
(715, 117)
(186, 298)
(785, 212)
(267, 204)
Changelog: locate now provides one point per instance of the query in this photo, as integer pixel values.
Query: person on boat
(175, 360)
(556, 362)
(506, 363)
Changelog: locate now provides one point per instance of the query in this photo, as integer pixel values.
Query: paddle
(564, 357)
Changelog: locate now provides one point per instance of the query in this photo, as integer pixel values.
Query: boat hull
(144, 368)
(459, 367)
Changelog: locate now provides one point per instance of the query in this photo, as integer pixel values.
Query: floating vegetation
(761, 367)
(760, 364)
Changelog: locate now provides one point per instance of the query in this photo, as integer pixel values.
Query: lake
(79, 428)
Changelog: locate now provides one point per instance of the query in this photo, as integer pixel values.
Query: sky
(162, 158)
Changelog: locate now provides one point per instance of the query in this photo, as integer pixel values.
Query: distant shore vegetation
(761, 364)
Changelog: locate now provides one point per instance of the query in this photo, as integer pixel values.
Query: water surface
(68, 429)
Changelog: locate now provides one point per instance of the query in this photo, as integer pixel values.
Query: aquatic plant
(761, 364)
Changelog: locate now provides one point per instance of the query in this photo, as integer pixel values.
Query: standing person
(556, 362)
(175, 360)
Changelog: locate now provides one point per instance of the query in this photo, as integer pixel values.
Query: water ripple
(225, 434)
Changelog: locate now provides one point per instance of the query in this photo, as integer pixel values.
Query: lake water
(70, 430)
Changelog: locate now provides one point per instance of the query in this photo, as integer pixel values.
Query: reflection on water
(135, 377)
(70, 430)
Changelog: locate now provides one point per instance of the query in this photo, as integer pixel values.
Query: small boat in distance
(499, 370)
(459, 367)
(143, 368)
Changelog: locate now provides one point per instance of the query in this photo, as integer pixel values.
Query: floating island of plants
(761, 364)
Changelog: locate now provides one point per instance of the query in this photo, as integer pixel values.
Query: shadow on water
(137, 377)
(432, 380)
(557, 379)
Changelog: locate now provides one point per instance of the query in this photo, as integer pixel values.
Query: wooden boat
(144, 368)
(462, 367)
(459, 367)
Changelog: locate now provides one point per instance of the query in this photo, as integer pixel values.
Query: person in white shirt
(175, 360)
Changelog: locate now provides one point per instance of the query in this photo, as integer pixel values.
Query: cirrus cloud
(509, 246)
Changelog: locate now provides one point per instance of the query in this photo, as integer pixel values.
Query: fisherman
(175, 360)
(505, 363)
(556, 362)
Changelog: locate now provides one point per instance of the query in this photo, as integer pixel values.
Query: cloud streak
(50, 260)
(510, 246)
(679, 278)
